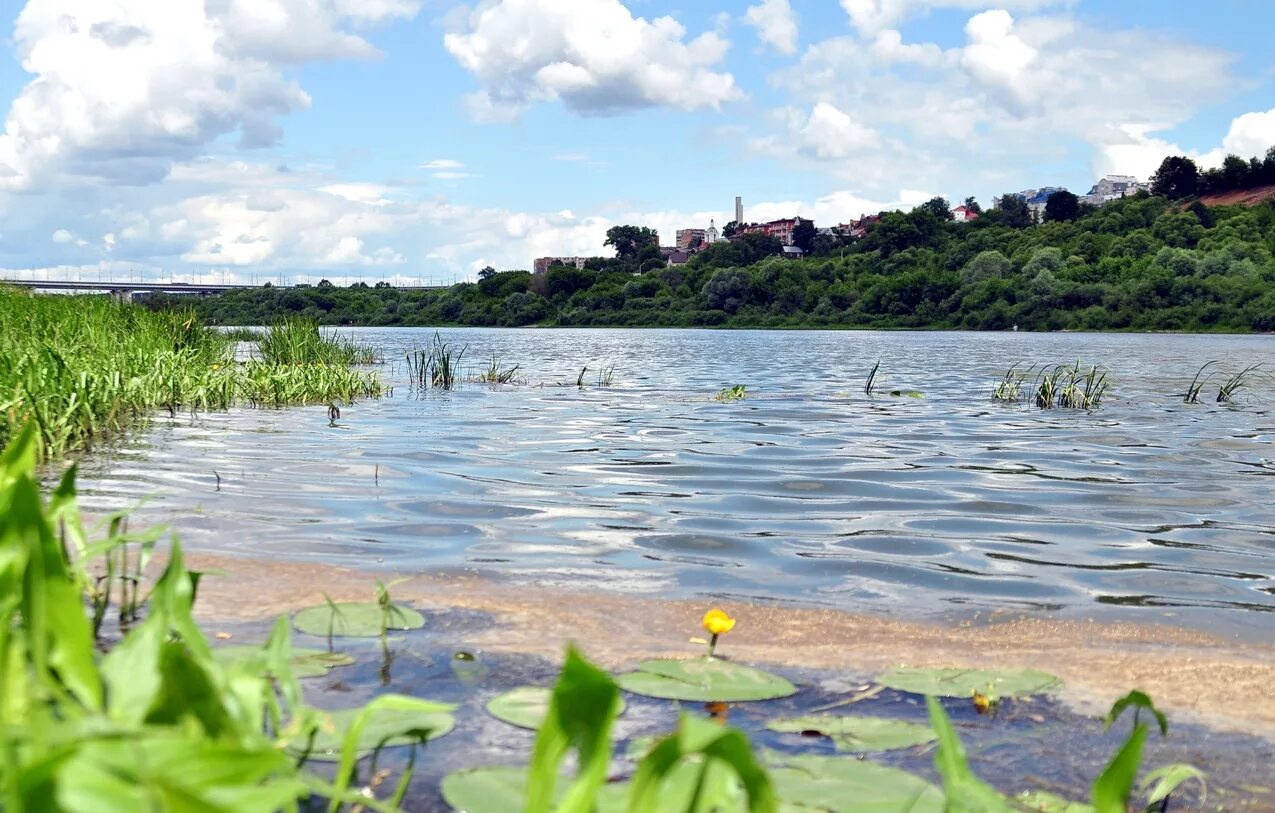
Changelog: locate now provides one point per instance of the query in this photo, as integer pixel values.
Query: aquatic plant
(870, 385)
(580, 378)
(86, 368)
(1010, 387)
(718, 623)
(1070, 386)
(298, 340)
(606, 375)
(1231, 386)
(736, 393)
(1192, 394)
(243, 334)
(439, 366)
(496, 374)
(159, 722)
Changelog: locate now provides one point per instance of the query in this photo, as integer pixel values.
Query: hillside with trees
(1164, 261)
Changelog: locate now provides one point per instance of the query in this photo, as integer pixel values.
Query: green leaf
(1138, 701)
(858, 734)
(964, 682)
(305, 662)
(713, 788)
(1112, 789)
(1037, 801)
(705, 680)
(583, 706)
(355, 619)
(393, 720)
(966, 793)
(848, 785)
(504, 790)
(525, 706)
(1169, 778)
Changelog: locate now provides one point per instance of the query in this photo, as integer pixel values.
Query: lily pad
(354, 619)
(386, 728)
(500, 790)
(705, 680)
(524, 707)
(849, 785)
(964, 682)
(1042, 802)
(858, 734)
(306, 663)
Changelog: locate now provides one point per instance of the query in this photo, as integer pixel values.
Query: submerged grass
(84, 368)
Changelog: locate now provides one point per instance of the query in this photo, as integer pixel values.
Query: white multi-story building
(1114, 187)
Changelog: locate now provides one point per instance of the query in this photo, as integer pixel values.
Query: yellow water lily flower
(717, 622)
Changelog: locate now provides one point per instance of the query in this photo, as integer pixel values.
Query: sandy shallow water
(1224, 684)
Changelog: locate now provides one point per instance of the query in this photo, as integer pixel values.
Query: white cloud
(123, 89)
(440, 164)
(62, 237)
(826, 132)
(873, 16)
(996, 55)
(985, 115)
(776, 24)
(1251, 134)
(593, 55)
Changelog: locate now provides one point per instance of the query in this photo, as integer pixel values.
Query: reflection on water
(807, 491)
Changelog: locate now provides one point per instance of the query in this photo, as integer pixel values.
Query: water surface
(806, 492)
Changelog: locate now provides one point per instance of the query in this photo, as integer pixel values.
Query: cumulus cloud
(826, 132)
(873, 16)
(985, 114)
(776, 24)
(1251, 134)
(123, 89)
(592, 55)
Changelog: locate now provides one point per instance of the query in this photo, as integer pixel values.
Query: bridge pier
(124, 295)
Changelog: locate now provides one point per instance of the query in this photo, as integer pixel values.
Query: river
(806, 492)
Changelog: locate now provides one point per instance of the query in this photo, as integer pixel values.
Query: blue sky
(405, 139)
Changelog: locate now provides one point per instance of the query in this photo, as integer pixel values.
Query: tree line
(1147, 262)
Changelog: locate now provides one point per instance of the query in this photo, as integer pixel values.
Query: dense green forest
(1140, 263)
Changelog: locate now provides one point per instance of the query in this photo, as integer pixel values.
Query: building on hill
(691, 239)
(963, 213)
(711, 235)
(781, 230)
(792, 253)
(857, 229)
(1036, 199)
(543, 264)
(1114, 187)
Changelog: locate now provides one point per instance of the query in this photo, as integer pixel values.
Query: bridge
(124, 290)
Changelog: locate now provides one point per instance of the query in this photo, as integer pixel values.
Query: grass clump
(439, 366)
(1010, 387)
(495, 373)
(1232, 386)
(736, 393)
(298, 341)
(1068, 386)
(85, 368)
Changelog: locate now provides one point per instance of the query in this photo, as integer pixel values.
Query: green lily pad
(355, 619)
(858, 734)
(1041, 802)
(849, 785)
(705, 680)
(964, 682)
(524, 707)
(306, 663)
(386, 728)
(500, 790)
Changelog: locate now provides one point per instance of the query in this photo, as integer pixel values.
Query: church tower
(710, 234)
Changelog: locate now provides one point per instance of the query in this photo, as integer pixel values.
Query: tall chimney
(739, 210)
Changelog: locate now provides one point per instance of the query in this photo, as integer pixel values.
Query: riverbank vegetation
(85, 368)
(1141, 263)
(159, 719)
